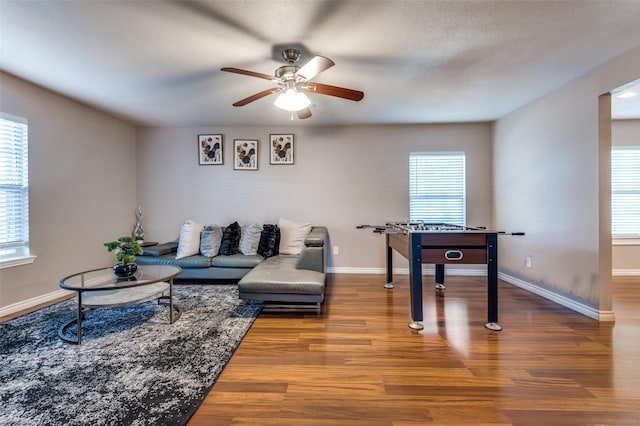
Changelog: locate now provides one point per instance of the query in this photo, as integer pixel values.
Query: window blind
(14, 195)
(437, 187)
(625, 192)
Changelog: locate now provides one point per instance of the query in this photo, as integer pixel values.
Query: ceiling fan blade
(340, 92)
(249, 73)
(314, 67)
(255, 97)
(304, 113)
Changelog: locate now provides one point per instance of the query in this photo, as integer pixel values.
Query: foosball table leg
(493, 326)
(440, 277)
(389, 283)
(415, 325)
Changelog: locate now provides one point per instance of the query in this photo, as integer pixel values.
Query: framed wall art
(210, 149)
(245, 154)
(281, 149)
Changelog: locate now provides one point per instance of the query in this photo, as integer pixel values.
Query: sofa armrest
(314, 256)
(317, 237)
(161, 249)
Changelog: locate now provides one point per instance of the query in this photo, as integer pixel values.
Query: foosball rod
(502, 232)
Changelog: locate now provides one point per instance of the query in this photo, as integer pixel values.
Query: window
(625, 192)
(437, 187)
(14, 195)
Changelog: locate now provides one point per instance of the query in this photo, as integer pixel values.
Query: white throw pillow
(250, 238)
(292, 235)
(189, 242)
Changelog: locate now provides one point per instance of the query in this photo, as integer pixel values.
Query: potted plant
(128, 248)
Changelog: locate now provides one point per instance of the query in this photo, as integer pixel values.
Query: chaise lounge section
(291, 281)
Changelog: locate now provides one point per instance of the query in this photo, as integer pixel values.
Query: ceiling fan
(292, 81)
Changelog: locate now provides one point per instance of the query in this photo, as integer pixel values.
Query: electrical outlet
(336, 250)
(527, 261)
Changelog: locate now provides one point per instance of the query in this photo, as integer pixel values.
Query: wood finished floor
(357, 363)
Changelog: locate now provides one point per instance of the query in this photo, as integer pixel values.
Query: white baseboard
(350, 270)
(49, 297)
(35, 301)
(626, 272)
(559, 299)
(470, 272)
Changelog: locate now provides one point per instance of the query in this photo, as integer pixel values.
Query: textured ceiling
(158, 63)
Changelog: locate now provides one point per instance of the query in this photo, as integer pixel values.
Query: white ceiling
(158, 63)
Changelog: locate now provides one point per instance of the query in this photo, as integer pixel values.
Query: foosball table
(442, 244)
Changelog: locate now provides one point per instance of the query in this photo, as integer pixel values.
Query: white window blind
(437, 187)
(625, 192)
(14, 195)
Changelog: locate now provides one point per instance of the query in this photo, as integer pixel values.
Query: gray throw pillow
(210, 239)
(250, 238)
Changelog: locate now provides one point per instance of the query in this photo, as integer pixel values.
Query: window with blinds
(14, 195)
(625, 192)
(437, 187)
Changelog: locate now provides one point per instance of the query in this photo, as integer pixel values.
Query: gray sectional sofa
(282, 281)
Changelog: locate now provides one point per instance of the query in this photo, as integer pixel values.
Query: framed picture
(210, 149)
(245, 154)
(281, 149)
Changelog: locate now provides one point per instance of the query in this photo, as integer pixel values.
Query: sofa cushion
(189, 242)
(292, 235)
(160, 249)
(250, 238)
(278, 275)
(195, 261)
(230, 240)
(210, 240)
(316, 238)
(236, 261)
(269, 241)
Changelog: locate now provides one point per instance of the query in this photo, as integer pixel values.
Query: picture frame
(210, 149)
(245, 154)
(281, 148)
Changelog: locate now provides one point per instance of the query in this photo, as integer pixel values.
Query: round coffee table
(99, 288)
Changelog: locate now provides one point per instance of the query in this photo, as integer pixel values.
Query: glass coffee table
(100, 288)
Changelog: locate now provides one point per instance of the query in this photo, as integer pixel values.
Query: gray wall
(548, 180)
(342, 177)
(626, 258)
(81, 187)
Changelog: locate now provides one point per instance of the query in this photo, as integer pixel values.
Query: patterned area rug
(133, 367)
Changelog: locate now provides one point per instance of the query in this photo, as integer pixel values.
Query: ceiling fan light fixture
(292, 100)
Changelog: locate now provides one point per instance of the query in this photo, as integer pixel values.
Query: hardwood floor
(357, 362)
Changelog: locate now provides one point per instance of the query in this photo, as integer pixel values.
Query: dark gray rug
(133, 367)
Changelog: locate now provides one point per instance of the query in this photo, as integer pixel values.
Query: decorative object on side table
(128, 248)
(281, 149)
(138, 230)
